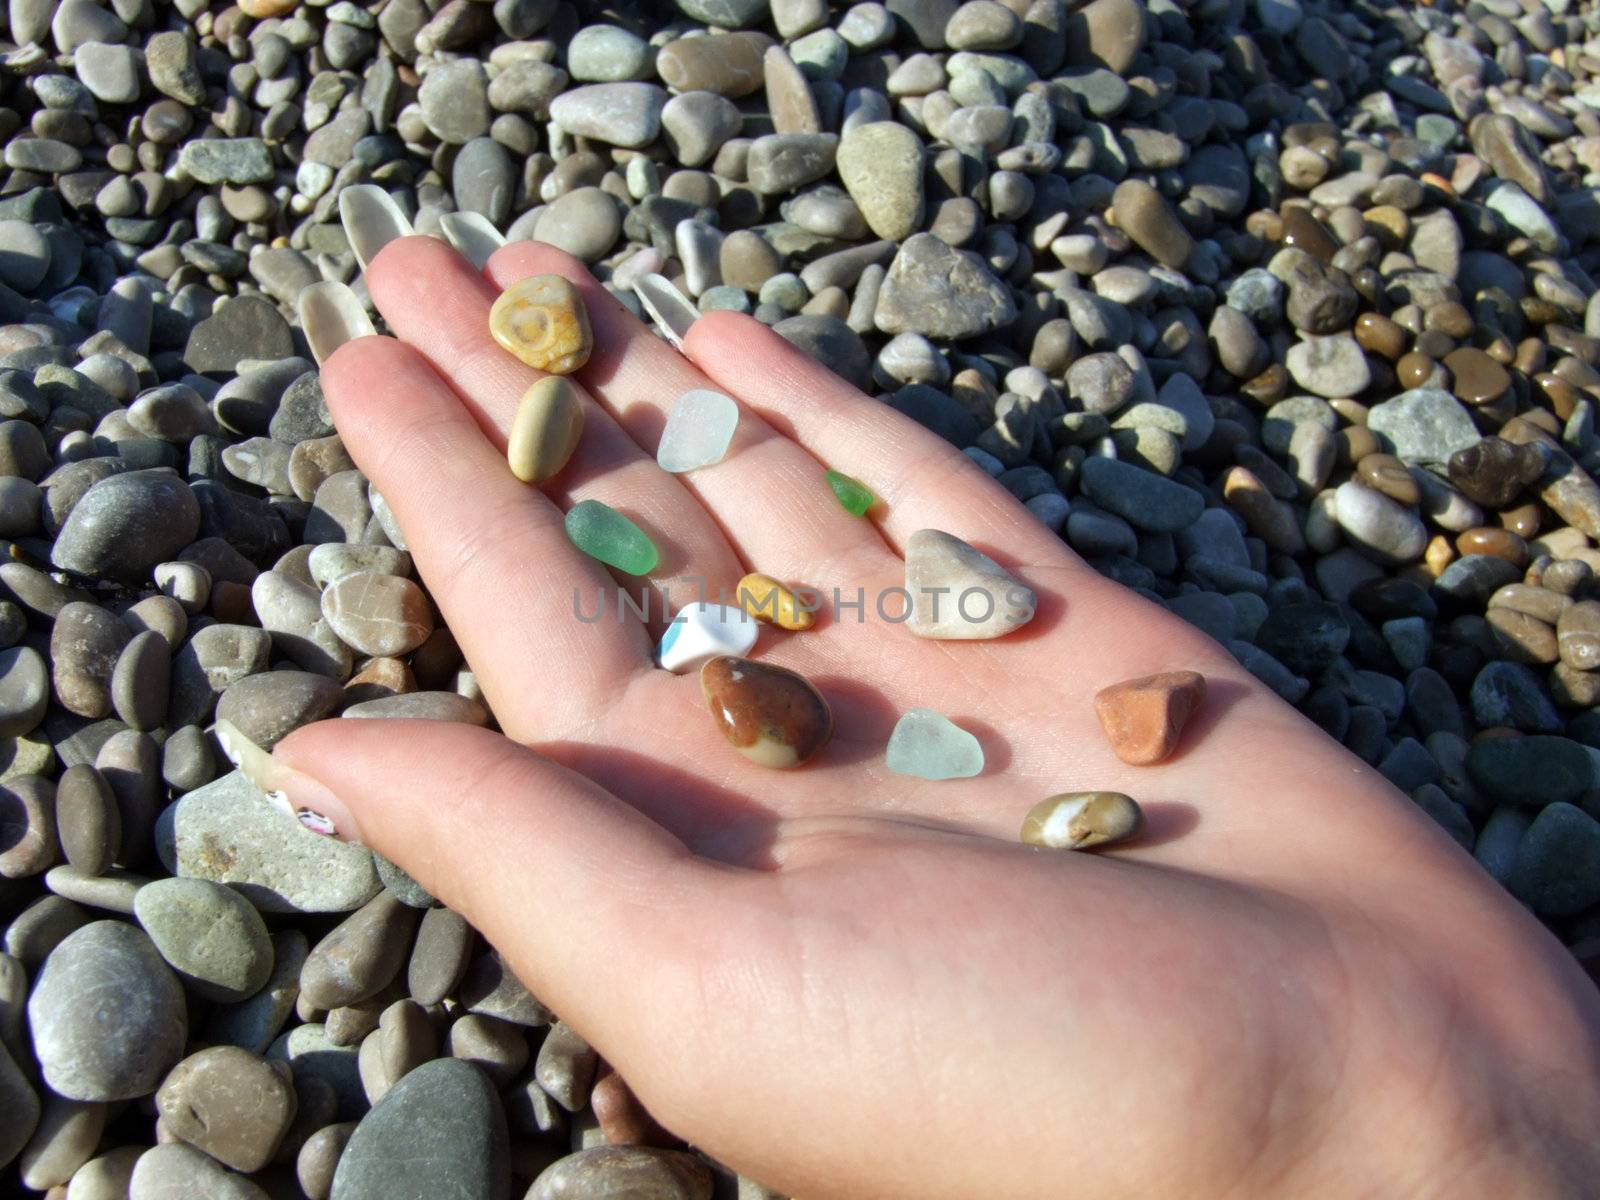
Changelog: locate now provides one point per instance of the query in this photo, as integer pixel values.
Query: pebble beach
(1281, 313)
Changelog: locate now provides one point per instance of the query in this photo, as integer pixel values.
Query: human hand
(845, 982)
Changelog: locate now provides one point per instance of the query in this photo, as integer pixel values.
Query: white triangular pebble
(473, 234)
(331, 314)
(668, 307)
(928, 745)
(701, 631)
(371, 220)
(699, 431)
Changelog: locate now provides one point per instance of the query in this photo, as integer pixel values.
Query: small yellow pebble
(1079, 820)
(546, 429)
(765, 599)
(543, 321)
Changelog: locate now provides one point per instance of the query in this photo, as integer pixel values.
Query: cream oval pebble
(473, 235)
(332, 315)
(546, 429)
(371, 220)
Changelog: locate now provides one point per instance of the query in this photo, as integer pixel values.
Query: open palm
(848, 982)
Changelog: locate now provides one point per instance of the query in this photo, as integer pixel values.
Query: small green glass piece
(600, 531)
(852, 493)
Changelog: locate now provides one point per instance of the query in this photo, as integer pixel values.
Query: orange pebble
(1144, 718)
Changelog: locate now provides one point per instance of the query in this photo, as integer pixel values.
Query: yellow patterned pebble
(542, 320)
(765, 599)
(546, 430)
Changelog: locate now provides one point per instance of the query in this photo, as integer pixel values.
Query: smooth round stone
(542, 320)
(27, 817)
(107, 1016)
(1081, 820)
(1145, 216)
(140, 680)
(1329, 366)
(1478, 379)
(601, 532)
(377, 614)
(1144, 718)
(85, 645)
(229, 832)
(772, 716)
(177, 1171)
(618, 1171)
(702, 631)
(209, 934)
(24, 255)
(439, 957)
(959, 593)
(928, 745)
(584, 222)
(319, 1159)
(728, 64)
(546, 430)
(1144, 499)
(1375, 522)
(360, 955)
(439, 1132)
(126, 524)
(1534, 770)
(698, 431)
(940, 292)
(67, 1134)
(620, 114)
(88, 821)
(1556, 870)
(880, 164)
(695, 125)
(230, 1104)
(267, 707)
(566, 1066)
(24, 690)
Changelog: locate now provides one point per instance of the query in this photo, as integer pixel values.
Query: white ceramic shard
(473, 234)
(702, 631)
(331, 315)
(668, 307)
(371, 220)
(698, 432)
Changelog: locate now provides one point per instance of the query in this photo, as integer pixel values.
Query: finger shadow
(1165, 821)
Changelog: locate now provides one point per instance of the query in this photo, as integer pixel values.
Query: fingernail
(371, 220)
(296, 793)
(473, 235)
(331, 314)
(668, 307)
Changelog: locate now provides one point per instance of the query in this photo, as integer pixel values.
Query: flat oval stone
(359, 955)
(437, 1134)
(928, 745)
(331, 315)
(773, 716)
(765, 599)
(267, 707)
(698, 432)
(87, 819)
(601, 532)
(209, 934)
(177, 1171)
(1080, 820)
(378, 614)
(546, 430)
(958, 593)
(542, 320)
(702, 631)
(24, 690)
(107, 1015)
(615, 1172)
(123, 526)
(229, 832)
(229, 1103)
(1144, 718)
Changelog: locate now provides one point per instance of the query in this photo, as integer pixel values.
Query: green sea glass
(600, 531)
(852, 493)
(928, 745)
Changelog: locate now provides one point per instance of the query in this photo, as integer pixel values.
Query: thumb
(575, 888)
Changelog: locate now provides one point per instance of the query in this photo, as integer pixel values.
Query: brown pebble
(1377, 334)
(1578, 634)
(1356, 442)
(1144, 718)
(1449, 318)
(1569, 576)
(1303, 231)
(1522, 638)
(1390, 476)
(1562, 395)
(1574, 689)
(623, 1120)
(1415, 369)
(1497, 543)
(1439, 555)
(1081, 820)
(1478, 379)
(87, 819)
(773, 716)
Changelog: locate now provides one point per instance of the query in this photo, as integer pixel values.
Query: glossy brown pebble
(1303, 231)
(1081, 820)
(1389, 475)
(1377, 334)
(1578, 636)
(1523, 520)
(1478, 379)
(772, 716)
(1494, 472)
(1497, 543)
(1144, 718)
(1415, 370)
